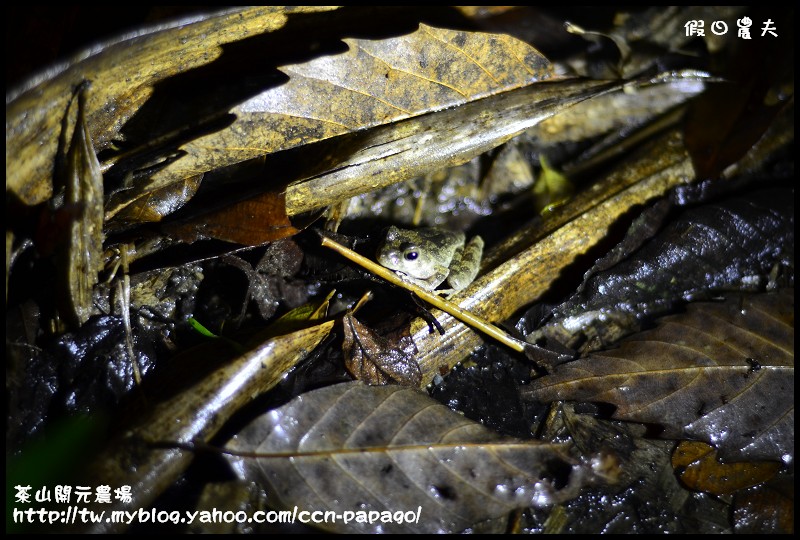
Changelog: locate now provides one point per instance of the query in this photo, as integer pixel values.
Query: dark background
(38, 36)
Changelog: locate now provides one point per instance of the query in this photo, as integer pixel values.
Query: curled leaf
(373, 359)
(82, 256)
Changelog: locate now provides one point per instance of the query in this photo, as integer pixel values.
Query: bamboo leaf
(82, 255)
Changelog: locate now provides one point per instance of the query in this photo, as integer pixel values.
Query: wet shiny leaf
(765, 509)
(721, 373)
(727, 246)
(697, 467)
(147, 455)
(385, 448)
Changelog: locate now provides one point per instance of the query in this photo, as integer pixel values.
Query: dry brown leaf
(251, 222)
(375, 82)
(82, 249)
(123, 73)
(373, 359)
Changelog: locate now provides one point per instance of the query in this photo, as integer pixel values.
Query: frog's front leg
(464, 268)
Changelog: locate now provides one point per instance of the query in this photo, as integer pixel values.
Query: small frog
(426, 257)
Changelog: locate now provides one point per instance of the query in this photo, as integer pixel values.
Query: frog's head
(405, 251)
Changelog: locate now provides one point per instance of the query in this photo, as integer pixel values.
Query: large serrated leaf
(375, 82)
(721, 373)
(386, 448)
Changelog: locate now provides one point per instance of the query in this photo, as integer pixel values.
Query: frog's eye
(410, 252)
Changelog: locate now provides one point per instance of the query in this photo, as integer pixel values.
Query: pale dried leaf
(376, 82)
(123, 73)
(82, 257)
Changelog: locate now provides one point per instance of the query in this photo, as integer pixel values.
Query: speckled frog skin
(428, 257)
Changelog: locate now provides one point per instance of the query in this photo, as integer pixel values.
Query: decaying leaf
(730, 245)
(697, 466)
(251, 222)
(386, 448)
(765, 509)
(146, 455)
(721, 373)
(646, 487)
(82, 252)
(373, 359)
